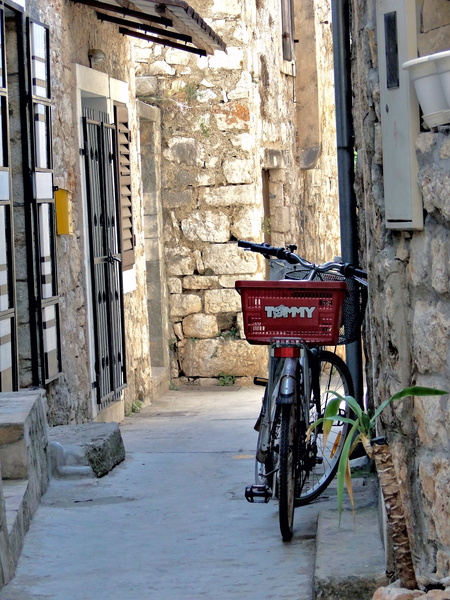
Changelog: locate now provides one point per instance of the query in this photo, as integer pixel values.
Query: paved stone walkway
(170, 522)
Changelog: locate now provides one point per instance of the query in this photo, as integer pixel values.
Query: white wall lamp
(96, 56)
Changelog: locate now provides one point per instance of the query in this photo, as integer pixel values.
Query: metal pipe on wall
(340, 10)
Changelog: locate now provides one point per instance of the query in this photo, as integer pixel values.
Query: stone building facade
(74, 205)
(248, 152)
(407, 333)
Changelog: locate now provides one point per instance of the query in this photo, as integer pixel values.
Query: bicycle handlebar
(346, 269)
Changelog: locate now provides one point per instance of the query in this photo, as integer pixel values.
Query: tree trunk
(395, 514)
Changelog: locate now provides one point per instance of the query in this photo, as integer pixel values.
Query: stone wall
(230, 170)
(408, 319)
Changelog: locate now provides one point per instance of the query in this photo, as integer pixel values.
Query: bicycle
(300, 311)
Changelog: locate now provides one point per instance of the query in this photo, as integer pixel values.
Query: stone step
(86, 450)
(350, 558)
(24, 470)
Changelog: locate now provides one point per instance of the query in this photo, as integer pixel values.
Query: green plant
(362, 428)
(266, 225)
(231, 334)
(204, 129)
(136, 406)
(226, 380)
(191, 92)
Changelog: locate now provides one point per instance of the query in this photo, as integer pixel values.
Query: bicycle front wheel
(322, 463)
(287, 470)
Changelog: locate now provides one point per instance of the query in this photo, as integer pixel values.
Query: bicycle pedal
(258, 494)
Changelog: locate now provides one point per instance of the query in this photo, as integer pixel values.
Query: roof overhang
(167, 22)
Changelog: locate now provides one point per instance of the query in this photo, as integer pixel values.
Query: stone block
(206, 226)
(419, 266)
(175, 199)
(396, 593)
(276, 196)
(97, 445)
(429, 414)
(225, 259)
(226, 8)
(160, 67)
(239, 171)
(435, 40)
(243, 87)
(231, 60)
(146, 86)
(228, 281)
(210, 357)
(200, 282)
(176, 57)
(222, 301)
(233, 195)
(200, 326)
(435, 14)
(233, 115)
(185, 151)
(440, 252)
(174, 285)
(430, 338)
(280, 219)
(435, 477)
(182, 305)
(180, 261)
(206, 96)
(13, 457)
(244, 141)
(355, 544)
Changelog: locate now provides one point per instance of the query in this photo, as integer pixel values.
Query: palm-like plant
(362, 426)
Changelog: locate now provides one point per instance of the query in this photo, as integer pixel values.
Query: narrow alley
(170, 522)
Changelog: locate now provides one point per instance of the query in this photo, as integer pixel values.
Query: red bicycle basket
(288, 309)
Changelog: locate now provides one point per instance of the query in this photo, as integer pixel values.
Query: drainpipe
(345, 161)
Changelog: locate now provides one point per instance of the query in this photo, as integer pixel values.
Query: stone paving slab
(350, 560)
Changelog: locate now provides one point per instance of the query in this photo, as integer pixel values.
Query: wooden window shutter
(124, 185)
(287, 24)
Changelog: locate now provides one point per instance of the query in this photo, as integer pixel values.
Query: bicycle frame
(303, 308)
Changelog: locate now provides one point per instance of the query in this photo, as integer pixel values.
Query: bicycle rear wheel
(287, 470)
(318, 469)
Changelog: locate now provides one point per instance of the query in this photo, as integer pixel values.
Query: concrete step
(350, 558)
(86, 450)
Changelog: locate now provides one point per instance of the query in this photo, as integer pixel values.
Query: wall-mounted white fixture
(400, 115)
(442, 60)
(96, 56)
(431, 77)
